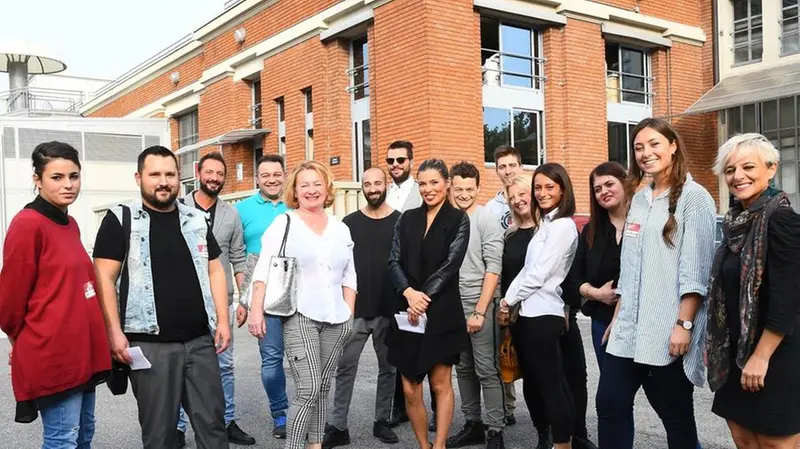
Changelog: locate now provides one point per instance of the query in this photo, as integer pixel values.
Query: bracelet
(476, 313)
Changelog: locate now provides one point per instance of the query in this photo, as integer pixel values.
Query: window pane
(612, 57)
(789, 3)
(755, 7)
(361, 74)
(787, 146)
(526, 137)
(787, 112)
(734, 121)
(490, 33)
(769, 115)
(739, 9)
(496, 130)
(633, 62)
(618, 143)
(631, 85)
(309, 101)
(749, 119)
(521, 81)
(516, 40)
(789, 178)
(757, 44)
(790, 43)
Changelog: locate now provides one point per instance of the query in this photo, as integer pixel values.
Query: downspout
(2, 197)
(715, 34)
(669, 82)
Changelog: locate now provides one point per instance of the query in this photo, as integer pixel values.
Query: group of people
(435, 279)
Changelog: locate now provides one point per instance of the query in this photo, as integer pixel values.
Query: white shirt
(547, 262)
(324, 265)
(397, 194)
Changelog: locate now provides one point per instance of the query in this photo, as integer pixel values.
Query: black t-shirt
(373, 241)
(180, 309)
(514, 256)
(211, 211)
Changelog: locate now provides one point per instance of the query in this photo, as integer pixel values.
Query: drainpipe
(2, 198)
(715, 37)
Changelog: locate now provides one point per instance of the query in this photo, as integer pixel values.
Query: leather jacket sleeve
(396, 273)
(455, 256)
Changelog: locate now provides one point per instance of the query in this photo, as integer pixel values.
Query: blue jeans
(598, 329)
(272, 374)
(70, 423)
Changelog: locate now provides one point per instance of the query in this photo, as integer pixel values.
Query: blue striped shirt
(654, 277)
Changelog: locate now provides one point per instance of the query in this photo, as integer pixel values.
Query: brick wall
(682, 11)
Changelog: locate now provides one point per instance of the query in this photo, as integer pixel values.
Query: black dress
(429, 263)
(775, 410)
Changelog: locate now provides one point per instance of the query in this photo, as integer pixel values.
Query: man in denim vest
(177, 299)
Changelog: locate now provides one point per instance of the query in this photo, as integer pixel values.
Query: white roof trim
(639, 36)
(228, 138)
(346, 23)
(526, 10)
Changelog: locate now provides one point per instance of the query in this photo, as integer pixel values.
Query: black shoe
(432, 423)
(495, 440)
(582, 443)
(511, 420)
(279, 431)
(399, 416)
(335, 437)
(382, 431)
(470, 434)
(545, 442)
(238, 436)
(180, 440)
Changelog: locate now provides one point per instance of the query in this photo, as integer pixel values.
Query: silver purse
(280, 298)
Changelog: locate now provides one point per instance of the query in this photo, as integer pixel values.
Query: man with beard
(171, 294)
(403, 194)
(227, 228)
(257, 213)
(372, 229)
(478, 369)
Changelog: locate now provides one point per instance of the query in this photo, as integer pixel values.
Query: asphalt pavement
(118, 427)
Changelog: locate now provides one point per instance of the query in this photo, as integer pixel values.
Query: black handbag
(118, 379)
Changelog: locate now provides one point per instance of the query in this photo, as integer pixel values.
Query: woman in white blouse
(326, 295)
(537, 288)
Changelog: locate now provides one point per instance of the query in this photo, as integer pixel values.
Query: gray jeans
(185, 373)
(348, 368)
(479, 369)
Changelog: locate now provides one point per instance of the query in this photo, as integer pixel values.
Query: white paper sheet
(138, 359)
(404, 325)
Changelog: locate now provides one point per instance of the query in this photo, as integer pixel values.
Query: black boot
(582, 443)
(382, 431)
(335, 437)
(495, 440)
(399, 416)
(545, 442)
(470, 434)
(239, 436)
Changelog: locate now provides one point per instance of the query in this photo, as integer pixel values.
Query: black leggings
(545, 388)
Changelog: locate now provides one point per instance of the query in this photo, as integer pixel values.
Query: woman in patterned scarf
(753, 356)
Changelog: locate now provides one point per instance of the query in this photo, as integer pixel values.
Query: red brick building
(337, 81)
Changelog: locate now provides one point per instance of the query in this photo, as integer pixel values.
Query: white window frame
(256, 107)
(193, 135)
(750, 24)
(628, 147)
(539, 134)
(784, 34)
(280, 106)
(536, 58)
(364, 68)
(647, 77)
(308, 104)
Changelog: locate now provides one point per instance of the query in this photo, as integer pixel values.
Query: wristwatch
(688, 325)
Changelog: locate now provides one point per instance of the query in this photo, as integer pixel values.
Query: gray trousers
(348, 368)
(313, 350)
(186, 373)
(479, 369)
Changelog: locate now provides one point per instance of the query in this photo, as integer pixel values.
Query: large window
(619, 142)
(515, 127)
(359, 69)
(747, 31)
(628, 75)
(510, 55)
(188, 135)
(281, 107)
(309, 106)
(255, 104)
(187, 129)
(790, 31)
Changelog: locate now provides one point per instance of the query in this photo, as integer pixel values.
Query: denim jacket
(140, 313)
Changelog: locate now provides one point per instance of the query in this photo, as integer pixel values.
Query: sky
(101, 38)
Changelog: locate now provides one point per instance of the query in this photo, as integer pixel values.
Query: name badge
(632, 230)
(88, 290)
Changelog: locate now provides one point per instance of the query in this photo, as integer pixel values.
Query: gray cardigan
(230, 237)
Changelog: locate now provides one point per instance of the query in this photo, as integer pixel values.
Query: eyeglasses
(400, 160)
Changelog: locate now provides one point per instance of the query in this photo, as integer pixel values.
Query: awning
(758, 86)
(228, 138)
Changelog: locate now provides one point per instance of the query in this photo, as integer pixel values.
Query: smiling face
(547, 192)
(519, 197)
(748, 175)
(508, 168)
(653, 152)
(373, 184)
(311, 190)
(464, 192)
(608, 191)
(270, 179)
(159, 181)
(399, 164)
(60, 182)
(212, 177)
(432, 187)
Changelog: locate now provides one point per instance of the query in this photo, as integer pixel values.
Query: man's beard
(157, 203)
(207, 190)
(376, 202)
(403, 176)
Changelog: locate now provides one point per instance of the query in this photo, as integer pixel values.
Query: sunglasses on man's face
(400, 160)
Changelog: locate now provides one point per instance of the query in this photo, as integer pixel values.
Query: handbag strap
(125, 281)
(282, 252)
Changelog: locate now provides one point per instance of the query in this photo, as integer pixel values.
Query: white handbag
(280, 298)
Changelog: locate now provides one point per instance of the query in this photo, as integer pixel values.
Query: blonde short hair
(290, 194)
(524, 180)
(762, 146)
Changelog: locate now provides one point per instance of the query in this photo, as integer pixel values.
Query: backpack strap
(125, 280)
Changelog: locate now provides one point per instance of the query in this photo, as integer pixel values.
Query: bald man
(372, 229)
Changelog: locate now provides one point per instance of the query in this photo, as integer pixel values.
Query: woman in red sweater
(49, 309)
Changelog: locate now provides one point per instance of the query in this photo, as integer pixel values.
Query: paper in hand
(138, 360)
(404, 325)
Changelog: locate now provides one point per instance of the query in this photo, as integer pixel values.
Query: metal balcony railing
(42, 100)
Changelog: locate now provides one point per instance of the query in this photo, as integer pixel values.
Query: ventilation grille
(112, 147)
(30, 137)
(150, 141)
(9, 147)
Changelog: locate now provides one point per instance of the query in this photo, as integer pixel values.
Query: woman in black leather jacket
(428, 247)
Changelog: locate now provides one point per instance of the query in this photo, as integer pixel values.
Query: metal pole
(2, 197)
(18, 84)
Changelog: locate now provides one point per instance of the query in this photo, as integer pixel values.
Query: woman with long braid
(659, 323)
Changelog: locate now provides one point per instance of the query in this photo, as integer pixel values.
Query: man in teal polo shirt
(257, 213)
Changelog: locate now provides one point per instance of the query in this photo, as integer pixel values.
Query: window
(187, 129)
(510, 55)
(747, 31)
(281, 126)
(309, 103)
(619, 142)
(187, 163)
(524, 134)
(255, 105)
(628, 75)
(790, 31)
(359, 68)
